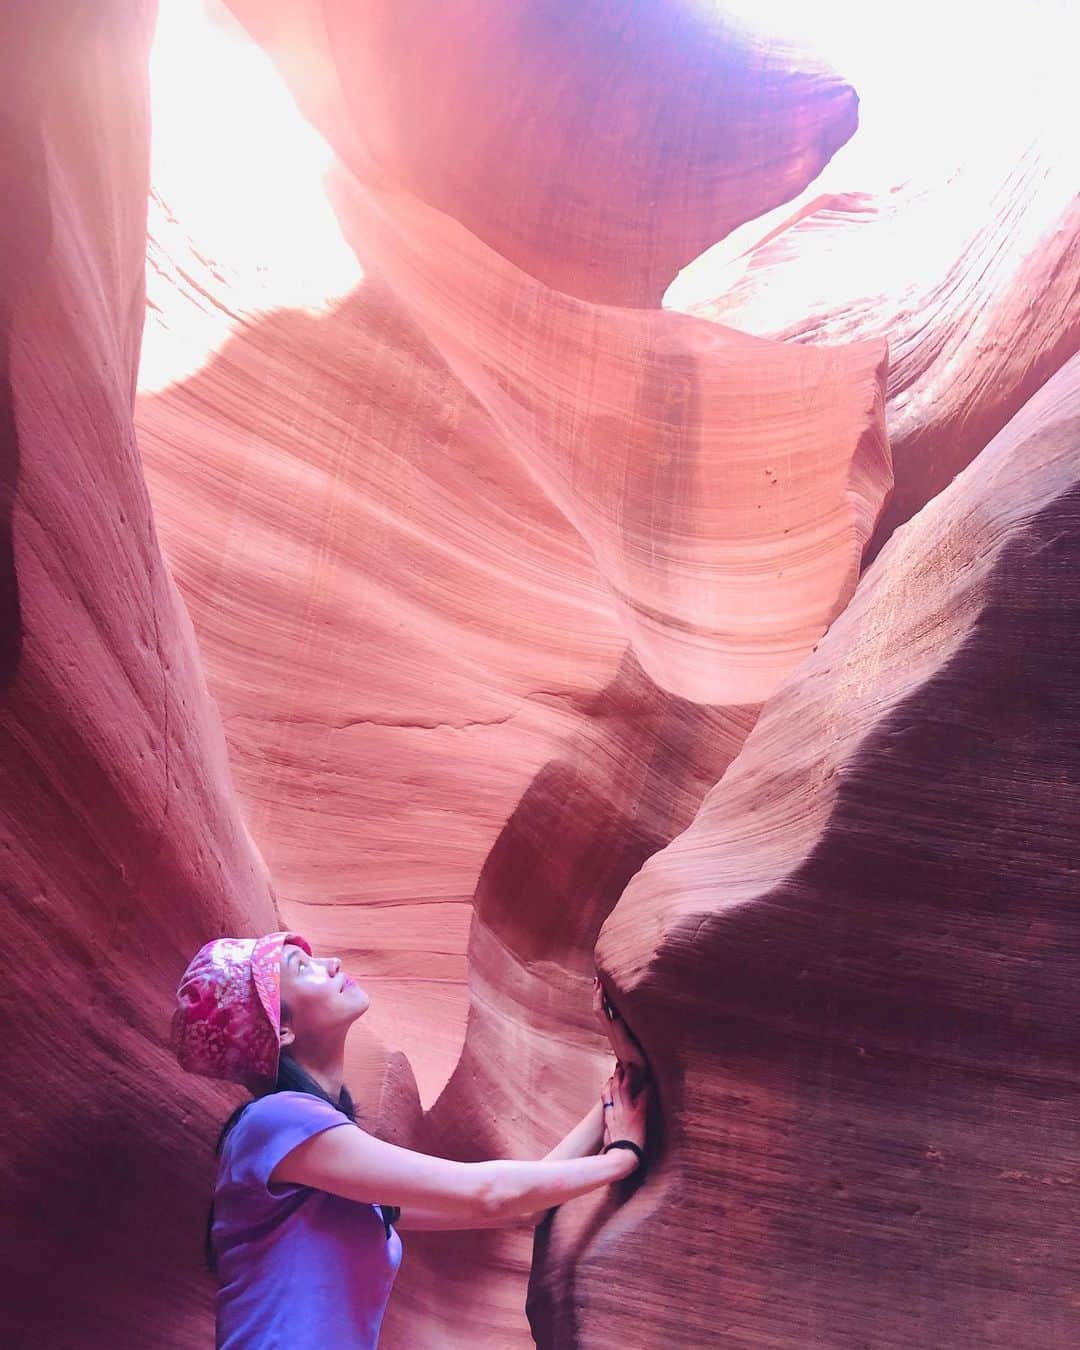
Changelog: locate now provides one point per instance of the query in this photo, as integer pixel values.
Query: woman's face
(318, 997)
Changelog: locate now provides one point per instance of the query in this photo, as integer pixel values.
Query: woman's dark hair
(290, 1078)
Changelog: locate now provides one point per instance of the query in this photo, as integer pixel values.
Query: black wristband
(625, 1143)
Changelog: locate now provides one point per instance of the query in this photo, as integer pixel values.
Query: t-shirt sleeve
(270, 1129)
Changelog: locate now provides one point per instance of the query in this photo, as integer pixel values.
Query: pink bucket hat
(228, 1010)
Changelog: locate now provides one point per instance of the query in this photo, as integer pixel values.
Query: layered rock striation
(855, 972)
(122, 843)
(510, 621)
(969, 263)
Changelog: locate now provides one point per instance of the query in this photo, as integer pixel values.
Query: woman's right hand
(626, 1118)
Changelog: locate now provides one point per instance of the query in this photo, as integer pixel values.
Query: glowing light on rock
(946, 96)
(238, 205)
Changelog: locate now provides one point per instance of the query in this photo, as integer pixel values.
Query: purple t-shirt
(297, 1267)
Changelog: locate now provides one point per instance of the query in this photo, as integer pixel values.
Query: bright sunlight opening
(240, 223)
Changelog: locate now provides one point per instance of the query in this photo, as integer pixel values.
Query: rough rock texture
(856, 971)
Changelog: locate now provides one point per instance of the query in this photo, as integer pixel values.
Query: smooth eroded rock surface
(480, 569)
(599, 187)
(969, 265)
(856, 971)
(726, 487)
(122, 845)
(456, 469)
(533, 1057)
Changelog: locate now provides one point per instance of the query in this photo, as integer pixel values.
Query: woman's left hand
(606, 1110)
(628, 1052)
(600, 1006)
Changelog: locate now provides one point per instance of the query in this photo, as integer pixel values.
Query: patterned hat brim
(266, 971)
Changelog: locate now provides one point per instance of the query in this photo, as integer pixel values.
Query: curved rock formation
(972, 273)
(390, 547)
(396, 656)
(532, 1059)
(495, 116)
(489, 573)
(856, 972)
(121, 840)
(726, 487)
(729, 526)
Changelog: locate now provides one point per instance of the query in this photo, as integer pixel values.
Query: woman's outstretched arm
(580, 1142)
(348, 1161)
(584, 1139)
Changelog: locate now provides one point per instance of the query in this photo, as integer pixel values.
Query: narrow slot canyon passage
(513, 495)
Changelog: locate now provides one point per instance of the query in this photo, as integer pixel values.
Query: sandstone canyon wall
(122, 841)
(855, 972)
(533, 629)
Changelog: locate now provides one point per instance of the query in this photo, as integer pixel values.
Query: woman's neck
(327, 1069)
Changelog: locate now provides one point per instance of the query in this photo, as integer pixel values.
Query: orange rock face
(510, 621)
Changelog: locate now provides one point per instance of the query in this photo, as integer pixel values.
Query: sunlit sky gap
(242, 174)
(943, 85)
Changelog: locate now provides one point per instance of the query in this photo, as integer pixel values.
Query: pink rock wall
(495, 116)
(521, 594)
(611, 796)
(971, 269)
(121, 840)
(856, 971)
(678, 482)
(388, 546)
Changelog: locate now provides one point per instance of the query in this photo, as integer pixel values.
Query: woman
(304, 1249)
